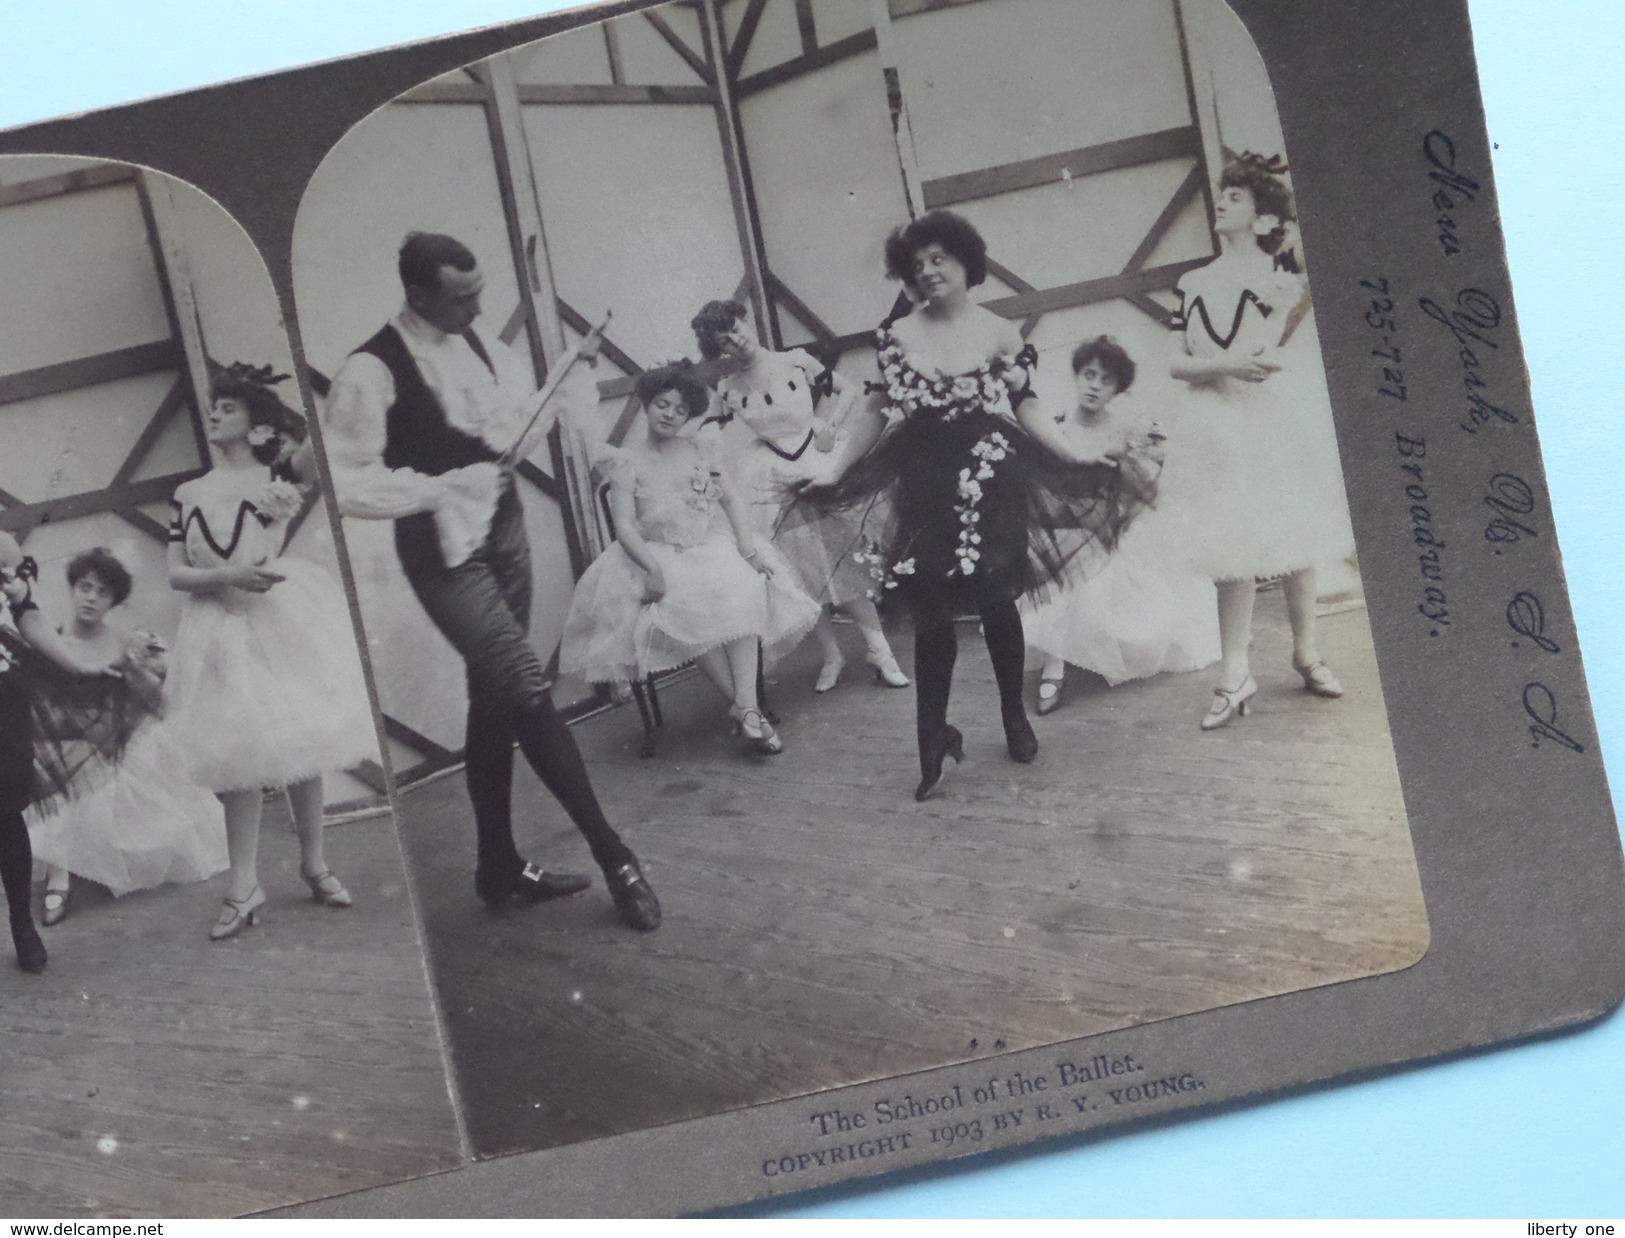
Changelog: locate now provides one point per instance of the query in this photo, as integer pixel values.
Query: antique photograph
(873, 462)
(221, 1003)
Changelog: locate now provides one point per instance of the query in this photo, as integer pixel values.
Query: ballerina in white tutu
(265, 686)
(138, 822)
(1256, 487)
(687, 579)
(792, 407)
(1143, 611)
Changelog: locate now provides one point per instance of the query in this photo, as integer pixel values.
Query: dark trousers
(483, 608)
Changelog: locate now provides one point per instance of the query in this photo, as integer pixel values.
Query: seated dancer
(35, 662)
(418, 423)
(1143, 612)
(265, 685)
(688, 578)
(789, 438)
(981, 511)
(140, 822)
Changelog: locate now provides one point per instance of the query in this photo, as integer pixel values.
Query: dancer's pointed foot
(56, 907)
(237, 915)
(1318, 678)
(1049, 694)
(1229, 702)
(947, 742)
(830, 673)
(327, 889)
(884, 664)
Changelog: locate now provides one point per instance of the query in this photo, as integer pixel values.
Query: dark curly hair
(675, 376)
(100, 563)
(1112, 357)
(251, 387)
(1261, 176)
(715, 320)
(954, 233)
(422, 255)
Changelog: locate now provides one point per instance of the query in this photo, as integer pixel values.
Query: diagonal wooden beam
(910, 8)
(802, 312)
(105, 367)
(1149, 307)
(172, 403)
(1187, 193)
(1091, 291)
(829, 54)
(515, 324)
(577, 322)
(742, 38)
(612, 49)
(1020, 285)
(677, 43)
(94, 502)
(807, 26)
(398, 731)
(1183, 142)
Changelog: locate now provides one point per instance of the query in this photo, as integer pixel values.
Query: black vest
(420, 438)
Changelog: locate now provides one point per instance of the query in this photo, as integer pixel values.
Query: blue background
(1528, 1131)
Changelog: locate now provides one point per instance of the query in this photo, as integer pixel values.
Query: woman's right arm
(188, 579)
(623, 505)
(1191, 369)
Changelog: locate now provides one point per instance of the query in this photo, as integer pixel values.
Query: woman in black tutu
(977, 510)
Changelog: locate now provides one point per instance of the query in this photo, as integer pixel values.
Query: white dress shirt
(491, 403)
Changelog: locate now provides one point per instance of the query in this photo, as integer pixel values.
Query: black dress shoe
(635, 899)
(533, 885)
(30, 949)
(1019, 737)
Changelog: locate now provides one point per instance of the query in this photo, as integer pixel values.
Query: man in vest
(417, 422)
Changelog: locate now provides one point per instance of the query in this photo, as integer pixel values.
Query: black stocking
(1007, 647)
(935, 650)
(16, 867)
(552, 753)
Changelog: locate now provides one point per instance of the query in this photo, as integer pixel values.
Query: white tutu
(145, 826)
(712, 597)
(818, 547)
(1141, 614)
(1253, 485)
(265, 689)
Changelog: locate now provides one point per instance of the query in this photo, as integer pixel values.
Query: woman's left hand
(753, 557)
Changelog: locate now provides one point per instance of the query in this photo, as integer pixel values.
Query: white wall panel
(1004, 80)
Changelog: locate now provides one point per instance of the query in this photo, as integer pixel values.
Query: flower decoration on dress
(280, 500)
(987, 451)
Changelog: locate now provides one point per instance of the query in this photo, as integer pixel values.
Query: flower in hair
(1273, 165)
(260, 435)
(1266, 224)
(258, 375)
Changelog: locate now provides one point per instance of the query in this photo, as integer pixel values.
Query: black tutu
(79, 724)
(963, 509)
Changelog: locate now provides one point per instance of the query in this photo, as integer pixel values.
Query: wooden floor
(821, 928)
(151, 1072)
